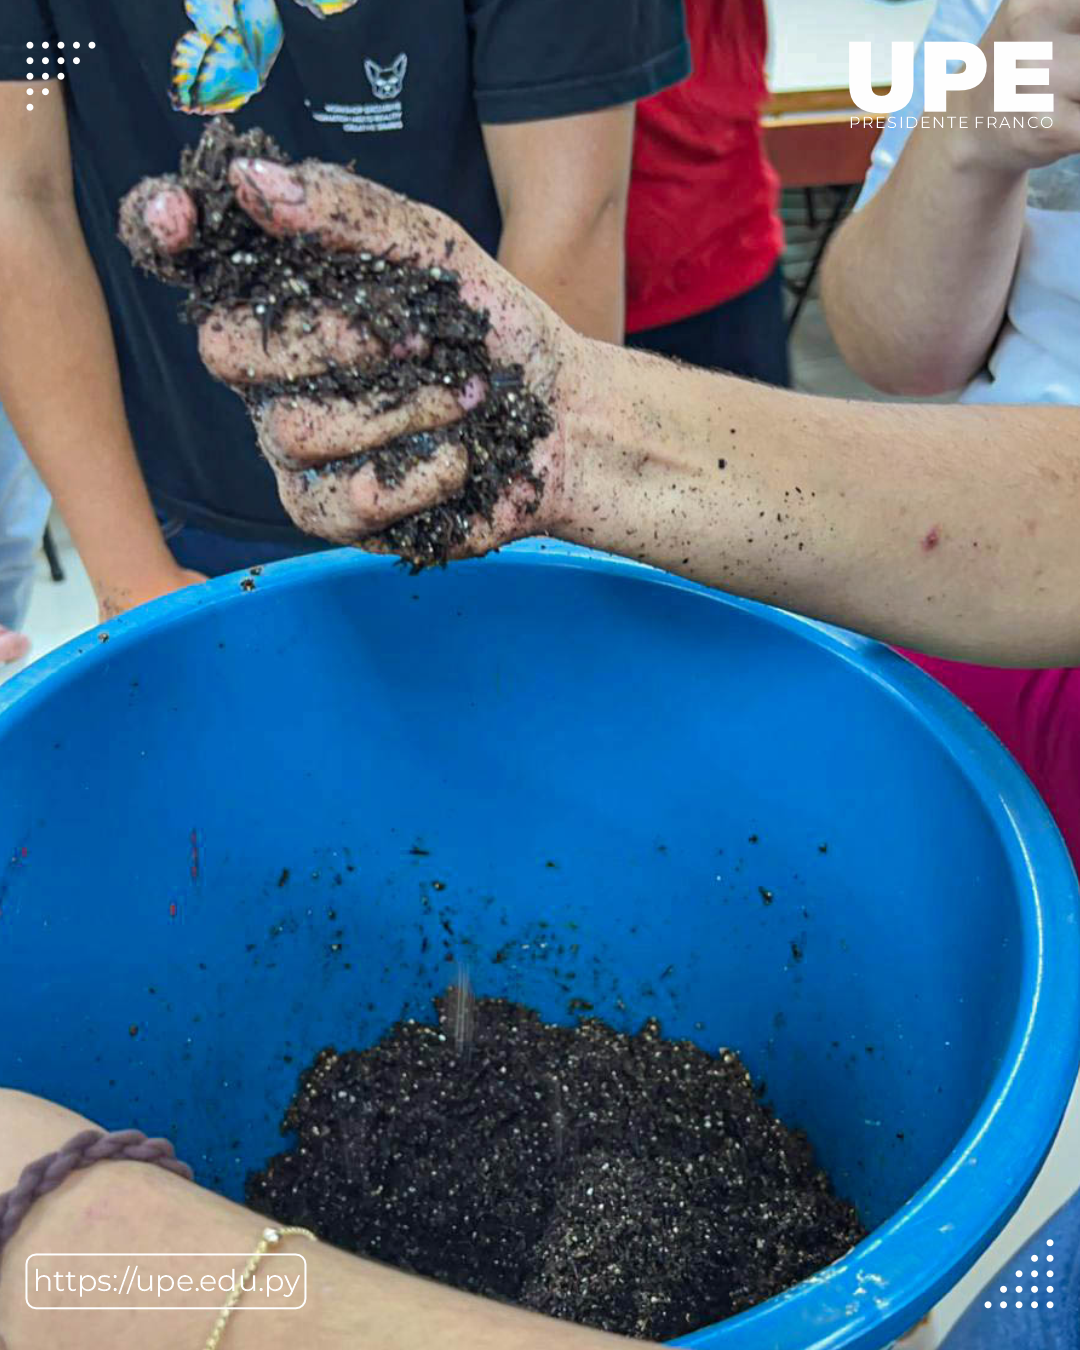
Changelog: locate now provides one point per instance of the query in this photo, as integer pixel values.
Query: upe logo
(1009, 77)
(387, 81)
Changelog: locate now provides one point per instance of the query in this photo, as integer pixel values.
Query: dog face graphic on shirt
(387, 81)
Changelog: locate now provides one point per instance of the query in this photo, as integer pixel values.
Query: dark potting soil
(233, 263)
(631, 1183)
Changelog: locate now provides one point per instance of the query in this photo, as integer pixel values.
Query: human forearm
(915, 284)
(60, 385)
(127, 1207)
(950, 528)
(581, 275)
(563, 187)
(947, 529)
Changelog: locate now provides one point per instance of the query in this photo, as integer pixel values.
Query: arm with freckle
(947, 529)
(951, 529)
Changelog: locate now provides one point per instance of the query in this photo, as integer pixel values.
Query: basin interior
(285, 818)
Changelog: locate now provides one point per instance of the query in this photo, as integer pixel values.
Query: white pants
(24, 509)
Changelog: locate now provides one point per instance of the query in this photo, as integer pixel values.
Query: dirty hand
(1010, 149)
(321, 450)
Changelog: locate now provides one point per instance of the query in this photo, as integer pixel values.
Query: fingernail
(170, 216)
(275, 182)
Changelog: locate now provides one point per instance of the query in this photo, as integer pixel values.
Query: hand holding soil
(409, 394)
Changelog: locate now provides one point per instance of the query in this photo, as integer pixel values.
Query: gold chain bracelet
(271, 1236)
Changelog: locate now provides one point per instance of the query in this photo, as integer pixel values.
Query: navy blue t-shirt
(398, 87)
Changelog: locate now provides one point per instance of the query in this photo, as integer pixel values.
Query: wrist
(973, 157)
(121, 559)
(123, 588)
(972, 147)
(589, 427)
(631, 434)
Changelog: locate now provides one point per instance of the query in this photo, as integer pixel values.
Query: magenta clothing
(1036, 714)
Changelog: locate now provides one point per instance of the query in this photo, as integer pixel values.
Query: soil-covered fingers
(348, 501)
(346, 213)
(407, 499)
(514, 515)
(350, 215)
(237, 347)
(300, 433)
(401, 383)
(158, 219)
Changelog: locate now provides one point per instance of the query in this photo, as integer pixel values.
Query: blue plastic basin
(253, 823)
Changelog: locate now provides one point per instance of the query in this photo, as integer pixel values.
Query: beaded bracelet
(271, 1236)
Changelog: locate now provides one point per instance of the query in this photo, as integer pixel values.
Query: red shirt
(703, 226)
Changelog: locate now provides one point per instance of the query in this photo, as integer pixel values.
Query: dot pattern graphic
(1045, 1274)
(45, 74)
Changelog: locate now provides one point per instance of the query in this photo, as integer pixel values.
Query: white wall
(809, 48)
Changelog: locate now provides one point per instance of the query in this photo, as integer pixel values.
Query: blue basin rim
(876, 1292)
